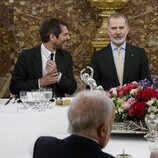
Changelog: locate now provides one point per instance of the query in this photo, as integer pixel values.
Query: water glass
(36, 95)
(23, 98)
(47, 93)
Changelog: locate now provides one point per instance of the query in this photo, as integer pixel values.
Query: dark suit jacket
(71, 147)
(135, 67)
(28, 69)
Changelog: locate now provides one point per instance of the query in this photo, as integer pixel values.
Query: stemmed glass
(23, 98)
(47, 93)
(36, 95)
(42, 97)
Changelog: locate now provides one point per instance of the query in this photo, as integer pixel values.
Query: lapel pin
(132, 54)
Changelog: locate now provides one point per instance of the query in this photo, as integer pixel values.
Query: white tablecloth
(20, 128)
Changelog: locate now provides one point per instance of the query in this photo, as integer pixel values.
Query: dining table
(20, 127)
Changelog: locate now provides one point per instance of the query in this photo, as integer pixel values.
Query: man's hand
(51, 67)
(48, 79)
(52, 75)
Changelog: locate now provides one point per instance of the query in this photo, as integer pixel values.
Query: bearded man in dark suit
(47, 65)
(91, 117)
(111, 70)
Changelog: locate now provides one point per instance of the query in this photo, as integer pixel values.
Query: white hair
(88, 110)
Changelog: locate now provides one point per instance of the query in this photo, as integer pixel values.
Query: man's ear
(102, 130)
(102, 134)
(128, 29)
(107, 30)
(52, 37)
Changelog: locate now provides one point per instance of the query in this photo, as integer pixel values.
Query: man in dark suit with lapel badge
(47, 65)
(91, 115)
(111, 69)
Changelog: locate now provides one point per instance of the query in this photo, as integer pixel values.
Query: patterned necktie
(119, 65)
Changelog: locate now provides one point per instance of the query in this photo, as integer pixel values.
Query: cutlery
(19, 101)
(15, 99)
(8, 101)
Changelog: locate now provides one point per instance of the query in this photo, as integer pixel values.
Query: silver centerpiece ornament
(151, 120)
(88, 78)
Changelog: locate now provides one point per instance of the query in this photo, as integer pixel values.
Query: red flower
(147, 94)
(120, 92)
(135, 109)
(123, 90)
(129, 87)
(138, 110)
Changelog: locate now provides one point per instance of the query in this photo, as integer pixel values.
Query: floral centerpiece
(132, 102)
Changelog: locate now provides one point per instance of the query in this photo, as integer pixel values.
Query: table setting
(22, 122)
(20, 128)
(37, 100)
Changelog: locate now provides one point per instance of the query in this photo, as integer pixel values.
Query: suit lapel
(111, 63)
(37, 62)
(58, 60)
(127, 64)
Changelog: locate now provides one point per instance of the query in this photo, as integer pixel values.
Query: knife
(8, 101)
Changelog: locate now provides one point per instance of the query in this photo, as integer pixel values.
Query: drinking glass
(47, 93)
(24, 97)
(36, 95)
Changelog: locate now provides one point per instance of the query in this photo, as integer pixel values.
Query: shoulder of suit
(30, 51)
(103, 50)
(47, 139)
(134, 47)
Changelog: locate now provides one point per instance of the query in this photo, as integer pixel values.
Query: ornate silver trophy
(88, 78)
(151, 120)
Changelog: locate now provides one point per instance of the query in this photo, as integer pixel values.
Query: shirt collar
(45, 51)
(114, 47)
(88, 137)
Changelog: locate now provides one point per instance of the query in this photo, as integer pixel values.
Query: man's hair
(117, 15)
(51, 25)
(88, 110)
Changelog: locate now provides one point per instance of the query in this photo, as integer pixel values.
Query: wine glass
(23, 98)
(36, 95)
(47, 93)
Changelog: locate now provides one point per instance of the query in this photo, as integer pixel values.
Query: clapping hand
(51, 67)
(52, 75)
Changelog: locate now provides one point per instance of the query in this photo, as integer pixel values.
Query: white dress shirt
(46, 55)
(115, 51)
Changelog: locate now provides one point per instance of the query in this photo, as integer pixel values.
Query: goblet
(24, 97)
(47, 93)
(36, 95)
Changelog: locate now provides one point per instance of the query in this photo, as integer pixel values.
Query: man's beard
(119, 39)
(58, 46)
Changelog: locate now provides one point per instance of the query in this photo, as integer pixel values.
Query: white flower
(134, 91)
(114, 91)
(120, 110)
(134, 82)
(151, 102)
